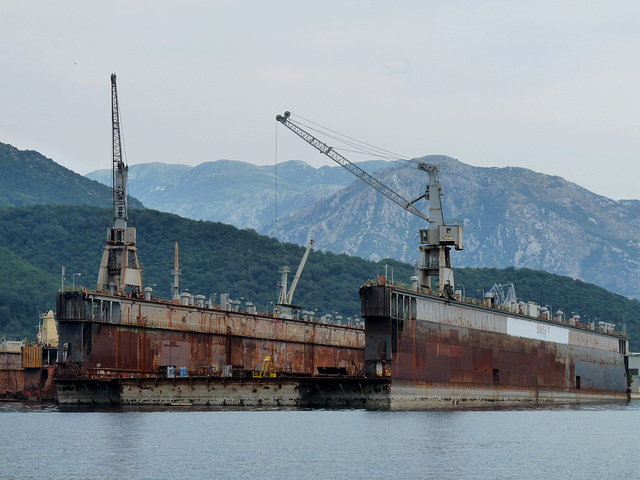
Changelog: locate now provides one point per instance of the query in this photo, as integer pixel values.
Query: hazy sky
(548, 85)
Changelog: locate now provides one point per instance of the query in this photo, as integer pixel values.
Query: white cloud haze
(551, 86)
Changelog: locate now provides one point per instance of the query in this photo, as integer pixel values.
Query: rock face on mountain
(238, 193)
(512, 216)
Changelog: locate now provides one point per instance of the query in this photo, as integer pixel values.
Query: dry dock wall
(105, 335)
(227, 392)
(469, 351)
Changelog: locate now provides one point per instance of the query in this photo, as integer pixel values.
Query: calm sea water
(42, 442)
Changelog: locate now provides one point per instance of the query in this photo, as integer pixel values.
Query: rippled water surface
(583, 442)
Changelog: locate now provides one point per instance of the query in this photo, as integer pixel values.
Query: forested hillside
(218, 258)
(25, 291)
(214, 258)
(29, 178)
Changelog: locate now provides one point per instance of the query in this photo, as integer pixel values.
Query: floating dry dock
(108, 340)
(121, 333)
(437, 351)
(26, 372)
(422, 346)
(27, 368)
(420, 351)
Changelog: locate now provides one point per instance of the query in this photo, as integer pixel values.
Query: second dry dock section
(434, 348)
(107, 335)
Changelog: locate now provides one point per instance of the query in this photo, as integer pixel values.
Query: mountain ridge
(230, 191)
(220, 258)
(30, 178)
(512, 215)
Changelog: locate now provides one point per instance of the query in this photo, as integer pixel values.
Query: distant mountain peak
(512, 215)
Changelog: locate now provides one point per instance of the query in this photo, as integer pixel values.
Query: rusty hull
(444, 349)
(103, 335)
(26, 375)
(11, 375)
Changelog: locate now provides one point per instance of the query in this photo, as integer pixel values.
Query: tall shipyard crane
(119, 269)
(434, 265)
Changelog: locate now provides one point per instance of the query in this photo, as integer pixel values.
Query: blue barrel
(183, 371)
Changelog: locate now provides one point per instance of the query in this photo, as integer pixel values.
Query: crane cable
(355, 140)
(359, 146)
(275, 221)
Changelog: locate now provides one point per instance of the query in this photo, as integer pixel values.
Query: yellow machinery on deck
(268, 369)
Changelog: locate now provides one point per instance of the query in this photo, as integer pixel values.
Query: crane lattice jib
(357, 171)
(119, 168)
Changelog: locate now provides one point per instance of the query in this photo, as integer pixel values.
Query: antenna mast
(176, 277)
